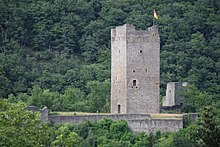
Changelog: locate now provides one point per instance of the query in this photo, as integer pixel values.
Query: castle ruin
(172, 97)
(135, 70)
(135, 80)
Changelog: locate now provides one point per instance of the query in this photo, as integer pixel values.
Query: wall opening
(140, 51)
(119, 109)
(133, 70)
(134, 83)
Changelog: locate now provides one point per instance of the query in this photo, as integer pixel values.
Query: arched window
(134, 83)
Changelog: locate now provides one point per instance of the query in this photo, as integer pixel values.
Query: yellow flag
(155, 14)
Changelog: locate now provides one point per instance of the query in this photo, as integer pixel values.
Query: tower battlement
(129, 31)
(127, 28)
(135, 70)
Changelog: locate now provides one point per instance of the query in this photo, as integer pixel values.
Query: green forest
(56, 53)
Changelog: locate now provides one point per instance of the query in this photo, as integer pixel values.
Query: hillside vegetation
(56, 53)
(22, 128)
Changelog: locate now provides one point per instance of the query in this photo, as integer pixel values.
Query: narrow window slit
(119, 109)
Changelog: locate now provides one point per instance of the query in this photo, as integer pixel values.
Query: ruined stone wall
(135, 70)
(80, 118)
(172, 97)
(169, 99)
(154, 125)
(136, 122)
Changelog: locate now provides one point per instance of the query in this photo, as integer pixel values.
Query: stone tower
(172, 97)
(135, 71)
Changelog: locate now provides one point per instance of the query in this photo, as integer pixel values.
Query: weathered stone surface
(44, 114)
(136, 122)
(172, 98)
(135, 71)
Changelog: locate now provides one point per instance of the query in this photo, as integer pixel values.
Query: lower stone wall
(154, 125)
(165, 125)
(136, 122)
(74, 119)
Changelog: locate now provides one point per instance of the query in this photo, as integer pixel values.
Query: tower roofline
(129, 28)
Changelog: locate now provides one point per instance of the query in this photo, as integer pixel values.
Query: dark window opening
(170, 91)
(133, 70)
(134, 83)
(140, 51)
(119, 51)
(181, 104)
(119, 109)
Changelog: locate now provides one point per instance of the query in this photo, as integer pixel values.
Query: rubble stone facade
(172, 97)
(135, 70)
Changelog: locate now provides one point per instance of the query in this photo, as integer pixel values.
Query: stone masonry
(135, 71)
(136, 122)
(172, 97)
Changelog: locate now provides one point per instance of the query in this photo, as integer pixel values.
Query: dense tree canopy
(22, 128)
(57, 53)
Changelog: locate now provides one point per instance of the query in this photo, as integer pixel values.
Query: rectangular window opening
(134, 82)
(119, 109)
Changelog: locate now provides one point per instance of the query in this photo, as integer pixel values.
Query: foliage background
(56, 53)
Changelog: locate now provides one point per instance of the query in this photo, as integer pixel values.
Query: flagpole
(153, 21)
